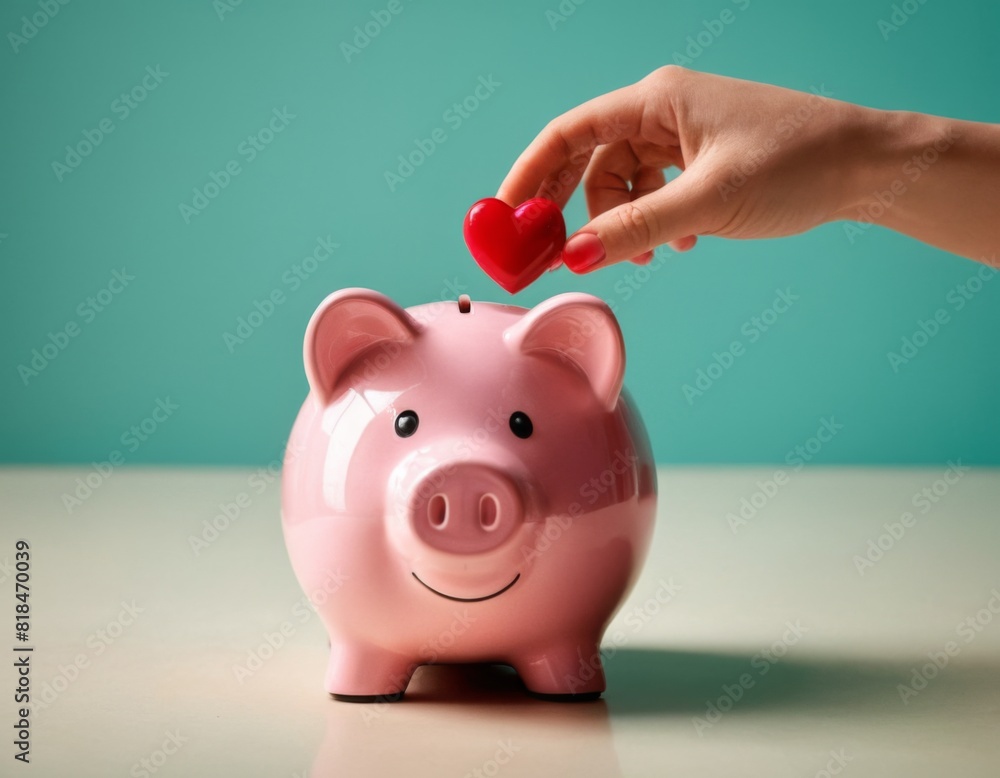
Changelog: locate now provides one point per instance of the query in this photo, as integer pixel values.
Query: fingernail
(644, 258)
(582, 251)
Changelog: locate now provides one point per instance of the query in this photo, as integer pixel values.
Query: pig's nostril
(437, 511)
(489, 512)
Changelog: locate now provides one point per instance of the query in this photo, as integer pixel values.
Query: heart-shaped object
(515, 245)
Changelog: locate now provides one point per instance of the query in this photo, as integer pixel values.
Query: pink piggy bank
(475, 483)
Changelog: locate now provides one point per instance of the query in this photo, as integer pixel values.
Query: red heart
(514, 245)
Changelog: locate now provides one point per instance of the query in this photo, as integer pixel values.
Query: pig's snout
(465, 508)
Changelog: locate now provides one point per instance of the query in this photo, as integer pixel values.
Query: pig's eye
(520, 424)
(406, 424)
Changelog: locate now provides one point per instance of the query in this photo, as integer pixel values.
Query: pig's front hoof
(367, 698)
(566, 672)
(580, 697)
(366, 674)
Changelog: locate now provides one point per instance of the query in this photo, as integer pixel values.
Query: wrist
(885, 152)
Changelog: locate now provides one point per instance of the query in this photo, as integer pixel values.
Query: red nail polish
(582, 251)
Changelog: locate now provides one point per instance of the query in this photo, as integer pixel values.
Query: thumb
(675, 210)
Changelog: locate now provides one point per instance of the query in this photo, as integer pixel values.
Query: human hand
(758, 161)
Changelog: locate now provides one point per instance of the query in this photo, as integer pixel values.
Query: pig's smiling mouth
(468, 599)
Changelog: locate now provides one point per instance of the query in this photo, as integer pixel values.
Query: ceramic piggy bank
(472, 478)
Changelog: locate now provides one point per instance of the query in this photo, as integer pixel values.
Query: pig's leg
(358, 673)
(564, 672)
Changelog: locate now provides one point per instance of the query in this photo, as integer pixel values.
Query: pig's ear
(346, 324)
(579, 328)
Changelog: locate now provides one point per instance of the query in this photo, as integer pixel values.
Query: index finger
(558, 156)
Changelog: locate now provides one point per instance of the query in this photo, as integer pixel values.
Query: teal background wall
(223, 74)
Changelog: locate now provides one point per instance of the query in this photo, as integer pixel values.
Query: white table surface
(168, 672)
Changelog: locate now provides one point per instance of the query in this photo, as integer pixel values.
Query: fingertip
(514, 190)
(684, 244)
(582, 252)
(503, 194)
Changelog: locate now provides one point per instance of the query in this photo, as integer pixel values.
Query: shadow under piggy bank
(707, 686)
(467, 720)
(478, 719)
